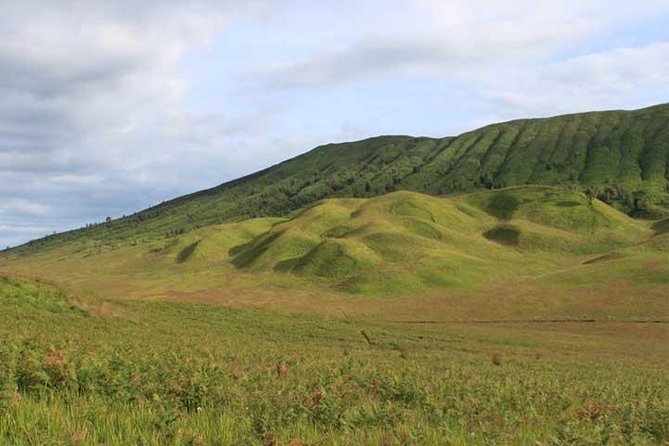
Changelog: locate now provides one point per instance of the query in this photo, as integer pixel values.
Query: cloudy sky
(107, 107)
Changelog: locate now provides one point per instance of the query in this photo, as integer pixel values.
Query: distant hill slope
(622, 155)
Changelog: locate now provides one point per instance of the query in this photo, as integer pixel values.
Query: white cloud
(447, 39)
(91, 102)
(70, 179)
(24, 207)
(523, 58)
(602, 80)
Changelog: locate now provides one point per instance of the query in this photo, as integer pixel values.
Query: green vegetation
(622, 157)
(130, 372)
(528, 306)
(396, 244)
(405, 241)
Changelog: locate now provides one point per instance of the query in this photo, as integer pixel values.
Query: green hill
(394, 244)
(405, 241)
(622, 156)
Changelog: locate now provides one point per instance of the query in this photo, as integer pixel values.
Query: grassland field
(132, 372)
(527, 315)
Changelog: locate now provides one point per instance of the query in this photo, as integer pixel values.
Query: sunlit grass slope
(622, 155)
(158, 373)
(405, 241)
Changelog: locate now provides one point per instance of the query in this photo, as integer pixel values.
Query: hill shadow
(504, 235)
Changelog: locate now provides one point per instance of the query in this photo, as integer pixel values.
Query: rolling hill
(538, 249)
(622, 156)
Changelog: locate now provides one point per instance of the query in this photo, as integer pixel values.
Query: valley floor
(120, 372)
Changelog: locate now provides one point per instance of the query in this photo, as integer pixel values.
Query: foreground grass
(162, 373)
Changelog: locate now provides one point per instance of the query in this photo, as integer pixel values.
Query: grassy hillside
(155, 373)
(623, 156)
(404, 241)
(542, 251)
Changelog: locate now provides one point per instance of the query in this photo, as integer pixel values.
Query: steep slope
(623, 155)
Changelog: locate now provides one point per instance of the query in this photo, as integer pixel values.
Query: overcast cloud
(107, 107)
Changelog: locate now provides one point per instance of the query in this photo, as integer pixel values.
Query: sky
(109, 107)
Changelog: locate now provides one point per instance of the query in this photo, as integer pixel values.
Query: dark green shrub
(503, 205)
